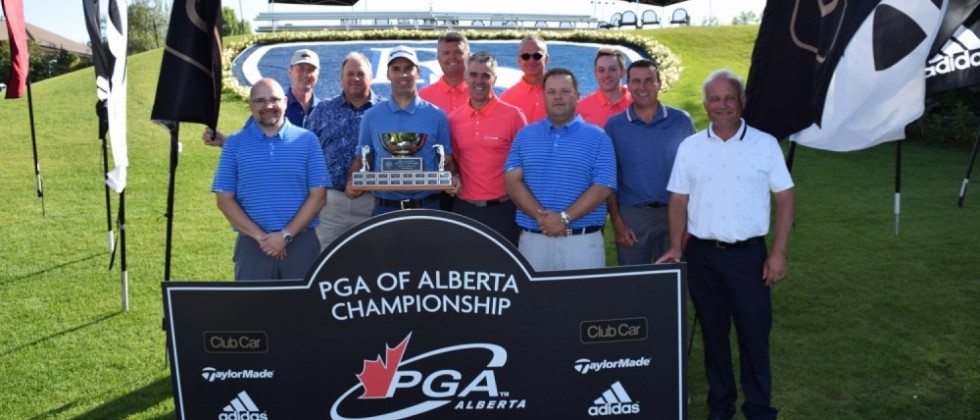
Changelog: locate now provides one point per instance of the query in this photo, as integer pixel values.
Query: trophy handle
(365, 166)
(442, 156)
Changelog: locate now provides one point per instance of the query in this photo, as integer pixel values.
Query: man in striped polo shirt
(559, 172)
(270, 184)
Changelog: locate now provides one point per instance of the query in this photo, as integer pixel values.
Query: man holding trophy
(404, 152)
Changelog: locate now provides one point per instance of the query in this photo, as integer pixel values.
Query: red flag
(19, 63)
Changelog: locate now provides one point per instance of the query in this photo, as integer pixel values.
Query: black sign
(425, 314)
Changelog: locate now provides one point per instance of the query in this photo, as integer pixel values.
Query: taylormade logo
(961, 52)
(211, 374)
(242, 408)
(614, 402)
(584, 366)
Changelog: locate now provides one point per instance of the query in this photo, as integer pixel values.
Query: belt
(406, 204)
(731, 245)
(488, 203)
(655, 205)
(572, 231)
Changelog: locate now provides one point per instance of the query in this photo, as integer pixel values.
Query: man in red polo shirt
(449, 92)
(528, 94)
(481, 133)
(611, 97)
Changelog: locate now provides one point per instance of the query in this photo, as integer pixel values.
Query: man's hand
(457, 186)
(625, 236)
(549, 223)
(673, 255)
(774, 269)
(273, 245)
(213, 137)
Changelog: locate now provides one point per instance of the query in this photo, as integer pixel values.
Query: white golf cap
(305, 56)
(402, 51)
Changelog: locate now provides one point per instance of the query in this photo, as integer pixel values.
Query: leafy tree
(710, 21)
(147, 26)
(232, 25)
(746, 17)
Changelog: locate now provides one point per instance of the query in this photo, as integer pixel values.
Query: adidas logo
(242, 408)
(960, 53)
(614, 402)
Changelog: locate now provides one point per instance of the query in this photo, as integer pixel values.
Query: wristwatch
(286, 236)
(565, 219)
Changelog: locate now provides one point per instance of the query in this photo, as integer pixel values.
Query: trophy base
(402, 180)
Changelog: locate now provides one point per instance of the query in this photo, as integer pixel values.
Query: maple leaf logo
(376, 376)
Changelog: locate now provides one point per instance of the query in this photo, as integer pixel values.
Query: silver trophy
(402, 171)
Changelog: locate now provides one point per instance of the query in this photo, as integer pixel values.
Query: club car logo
(211, 374)
(611, 330)
(420, 391)
(242, 408)
(614, 402)
(585, 366)
(236, 342)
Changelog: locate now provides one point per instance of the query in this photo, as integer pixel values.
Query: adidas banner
(957, 63)
(430, 315)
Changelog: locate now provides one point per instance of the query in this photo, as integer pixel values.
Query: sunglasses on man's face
(536, 56)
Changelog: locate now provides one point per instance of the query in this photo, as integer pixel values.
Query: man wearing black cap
(406, 113)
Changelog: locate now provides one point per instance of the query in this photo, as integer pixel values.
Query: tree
(147, 26)
(232, 25)
(746, 17)
(709, 21)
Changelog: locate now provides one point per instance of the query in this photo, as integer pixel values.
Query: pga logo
(390, 377)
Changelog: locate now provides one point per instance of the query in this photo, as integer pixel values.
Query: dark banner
(957, 63)
(430, 315)
(189, 88)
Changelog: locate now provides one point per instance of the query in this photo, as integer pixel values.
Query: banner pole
(898, 184)
(37, 167)
(174, 127)
(969, 170)
(123, 273)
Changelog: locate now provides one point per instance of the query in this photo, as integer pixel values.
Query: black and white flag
(857, 66)
(110, 80)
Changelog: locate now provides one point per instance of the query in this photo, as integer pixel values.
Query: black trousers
(726, 285)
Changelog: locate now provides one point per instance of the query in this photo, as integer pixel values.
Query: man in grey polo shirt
(645, 137)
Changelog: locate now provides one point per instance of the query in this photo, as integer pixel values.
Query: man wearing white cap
(304, 70)
(405, 113)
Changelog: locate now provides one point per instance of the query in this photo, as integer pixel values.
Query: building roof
(48, 40)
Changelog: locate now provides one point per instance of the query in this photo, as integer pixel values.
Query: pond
(273, 61)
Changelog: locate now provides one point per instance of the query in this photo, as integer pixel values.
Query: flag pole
(174, 127)
(37, 167)
(898, 184)
(123, 273)
(969, 170)
(102, 111)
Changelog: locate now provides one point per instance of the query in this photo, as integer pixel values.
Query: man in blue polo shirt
(645, 136)
(559, 172)
(270, 185)
(405, 113)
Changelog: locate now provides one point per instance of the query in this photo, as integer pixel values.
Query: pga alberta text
(465, 292)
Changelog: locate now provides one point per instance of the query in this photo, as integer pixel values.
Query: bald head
(267, 101)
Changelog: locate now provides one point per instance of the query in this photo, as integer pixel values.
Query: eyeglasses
(266, 101)
(536, 56)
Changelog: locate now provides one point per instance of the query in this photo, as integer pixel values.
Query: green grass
(868, 325)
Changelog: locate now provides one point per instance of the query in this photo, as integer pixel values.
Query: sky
(64, 17)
